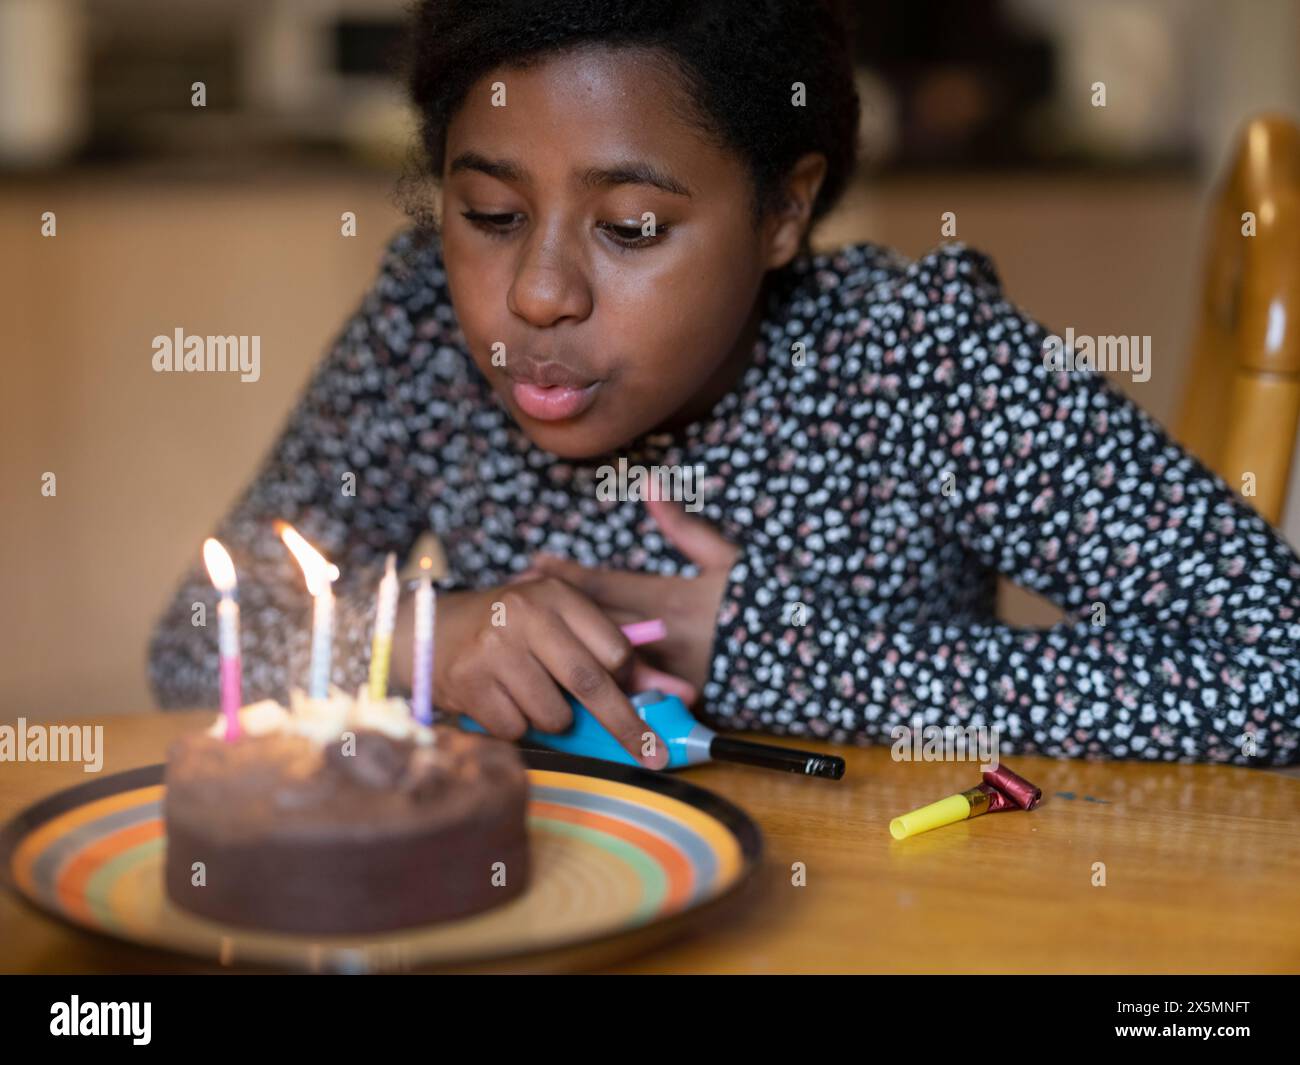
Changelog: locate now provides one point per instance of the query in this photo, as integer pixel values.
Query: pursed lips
(546, 374)
(550, 391)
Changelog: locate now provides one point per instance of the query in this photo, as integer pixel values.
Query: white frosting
(325, 720)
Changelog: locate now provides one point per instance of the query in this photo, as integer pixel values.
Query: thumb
(693, 537)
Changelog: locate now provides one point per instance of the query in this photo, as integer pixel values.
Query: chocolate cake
(343, 818)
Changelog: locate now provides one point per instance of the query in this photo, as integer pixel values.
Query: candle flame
(316, 568)
(426, 562)
(220, 567)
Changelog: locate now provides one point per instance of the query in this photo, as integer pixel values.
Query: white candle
(319, 573)
(322, 637)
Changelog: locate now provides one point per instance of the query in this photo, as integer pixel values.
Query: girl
(619, 270)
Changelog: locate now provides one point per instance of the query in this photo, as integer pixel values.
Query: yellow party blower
(970, 803)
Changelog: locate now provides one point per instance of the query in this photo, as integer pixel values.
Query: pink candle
(222, 571)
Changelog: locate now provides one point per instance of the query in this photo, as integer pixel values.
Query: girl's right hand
(504, 654)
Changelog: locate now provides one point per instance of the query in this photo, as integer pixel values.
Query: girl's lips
(555, 402)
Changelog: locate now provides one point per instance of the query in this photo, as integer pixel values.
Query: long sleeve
(359, 470)
(1181, 637)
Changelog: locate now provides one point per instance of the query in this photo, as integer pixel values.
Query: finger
(596, 625)
(495, 709)
(621, 617)
(579, 672)
(631, 593)
(539, 700)
(644, 677)
(693, 537)
(593, 626)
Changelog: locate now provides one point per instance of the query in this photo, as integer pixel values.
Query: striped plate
(616, 850)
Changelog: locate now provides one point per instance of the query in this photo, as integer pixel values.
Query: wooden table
(1202, 871)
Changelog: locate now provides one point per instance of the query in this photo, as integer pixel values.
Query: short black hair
(738, 59)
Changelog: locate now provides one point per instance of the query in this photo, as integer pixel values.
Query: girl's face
(592, 326)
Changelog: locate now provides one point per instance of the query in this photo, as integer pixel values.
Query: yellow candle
(381, 647)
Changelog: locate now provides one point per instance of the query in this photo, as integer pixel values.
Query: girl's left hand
(687, 605)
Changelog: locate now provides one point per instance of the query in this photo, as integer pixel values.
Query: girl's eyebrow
(632, 172)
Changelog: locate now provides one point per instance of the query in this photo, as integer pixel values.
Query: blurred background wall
(225, 219)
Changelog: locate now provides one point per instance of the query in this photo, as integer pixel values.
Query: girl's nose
(550, 284)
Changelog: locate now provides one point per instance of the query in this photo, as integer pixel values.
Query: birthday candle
(322, 639)
(422, 667)
(222, 571)
(319, 573)
(381, 647)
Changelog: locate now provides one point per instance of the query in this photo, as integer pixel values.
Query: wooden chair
(1241, 406)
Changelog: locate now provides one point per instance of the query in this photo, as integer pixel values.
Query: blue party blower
(689, 742)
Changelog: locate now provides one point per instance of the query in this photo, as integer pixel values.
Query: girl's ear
(787, 229)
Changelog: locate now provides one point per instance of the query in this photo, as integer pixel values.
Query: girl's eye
(625, 237)
(494, 225)
(631, 237)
